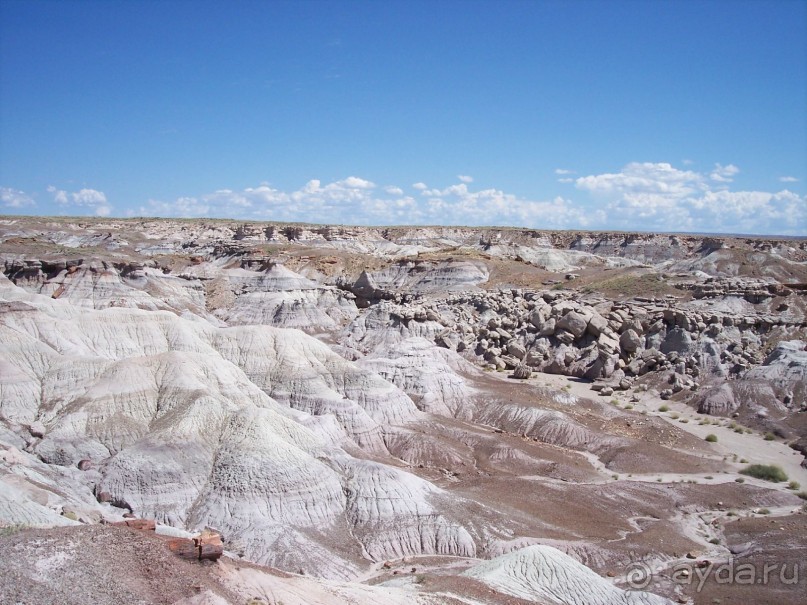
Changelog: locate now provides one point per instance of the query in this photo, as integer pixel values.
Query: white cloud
(357, 183)
(640, 197)
(788, 179)
(348, 201)
(562, 171)
(567, 179)
(82, 198)
(89, 197)
(59, 196)
(724, 174)
(465, 178)
(14, 198)
(647, 178)
(659, 197)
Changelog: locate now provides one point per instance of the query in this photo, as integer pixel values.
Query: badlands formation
(399, 415)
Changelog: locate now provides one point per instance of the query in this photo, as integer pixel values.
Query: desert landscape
(452, 415)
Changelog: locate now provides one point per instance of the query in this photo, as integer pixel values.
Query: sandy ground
(746, 446)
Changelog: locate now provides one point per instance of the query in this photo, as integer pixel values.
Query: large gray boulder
(630, 341)
(573, 322)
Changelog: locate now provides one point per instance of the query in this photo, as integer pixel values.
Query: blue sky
(645, 115)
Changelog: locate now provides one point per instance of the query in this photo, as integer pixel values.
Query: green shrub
(664, 408)
(12, 529)
(767, 472)
(770, 437)
(711, 438)
(794, 485)
(764, 511)
(802, 495)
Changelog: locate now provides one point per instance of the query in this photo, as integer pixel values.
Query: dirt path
(730, 444)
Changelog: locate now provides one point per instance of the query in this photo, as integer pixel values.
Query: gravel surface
(97, 564)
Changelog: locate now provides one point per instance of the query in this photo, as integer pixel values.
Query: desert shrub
(711, 438)
(664, 408)
(770, 437)
(794, 485)
(12, 529)
(767, 472)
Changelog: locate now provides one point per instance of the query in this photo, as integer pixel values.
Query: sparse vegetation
(794, 485)
(766, 472)
(12, 529)
(711, 438)
(770, 437)
(648, 284)
(664, 408)
(764, 511)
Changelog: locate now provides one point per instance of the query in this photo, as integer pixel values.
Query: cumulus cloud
(465, 178)
(724, 174)
(14, 198)
(358, 201)
(84, 198)
(357, 183)
(640, 197)
(660, 179)
(788, 179)
(563, 171)
(660, 197)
